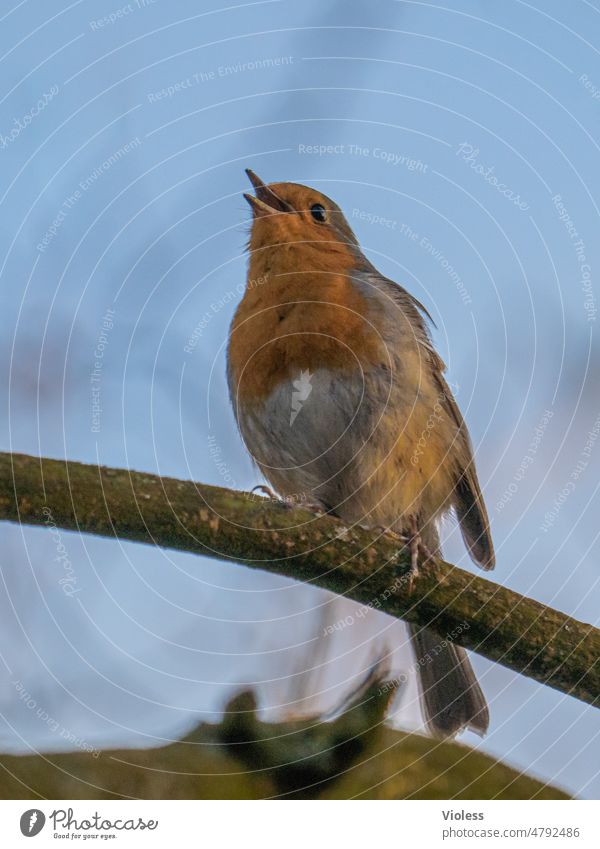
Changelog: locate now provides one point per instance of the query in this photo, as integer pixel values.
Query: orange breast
(290, 320)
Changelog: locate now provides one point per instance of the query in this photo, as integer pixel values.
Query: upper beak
(266, 201)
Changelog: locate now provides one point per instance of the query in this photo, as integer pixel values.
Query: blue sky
(462, 143)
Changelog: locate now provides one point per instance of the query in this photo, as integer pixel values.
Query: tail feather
(451, 697)
(474, 522)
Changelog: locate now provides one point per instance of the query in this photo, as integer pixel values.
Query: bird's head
(301, 219)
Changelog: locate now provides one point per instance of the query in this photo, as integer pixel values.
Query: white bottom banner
(302, 824)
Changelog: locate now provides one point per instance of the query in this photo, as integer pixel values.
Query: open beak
(266, 201)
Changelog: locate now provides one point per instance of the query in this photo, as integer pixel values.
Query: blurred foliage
(352, 756)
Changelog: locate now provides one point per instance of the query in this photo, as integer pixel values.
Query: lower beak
(266, 201)
(259, 207)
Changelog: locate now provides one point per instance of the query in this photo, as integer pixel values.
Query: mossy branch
(499, 624)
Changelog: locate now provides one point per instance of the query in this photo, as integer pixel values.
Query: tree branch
(499, 624)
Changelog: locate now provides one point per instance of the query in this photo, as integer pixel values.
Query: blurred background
(462, 143)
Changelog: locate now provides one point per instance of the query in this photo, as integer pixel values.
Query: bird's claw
(289, 503)
(266, 490)
(417, 549)
(313, 507)
(382, 529)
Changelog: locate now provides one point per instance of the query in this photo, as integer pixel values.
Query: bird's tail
(451, 697)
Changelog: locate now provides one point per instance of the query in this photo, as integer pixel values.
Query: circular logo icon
(32, 822)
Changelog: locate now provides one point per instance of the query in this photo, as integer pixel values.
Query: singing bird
(341, 400)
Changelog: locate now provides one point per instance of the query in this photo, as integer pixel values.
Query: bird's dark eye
(319, 213)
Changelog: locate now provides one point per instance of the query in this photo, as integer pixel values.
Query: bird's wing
(468, 500)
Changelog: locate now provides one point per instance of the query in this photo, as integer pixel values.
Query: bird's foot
(388, 532)
(402, 539)
(272, 496)
(313, 507)
(417, 549)
(289, 502)
(413, 542)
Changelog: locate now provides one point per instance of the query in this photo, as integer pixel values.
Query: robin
(341, 400)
